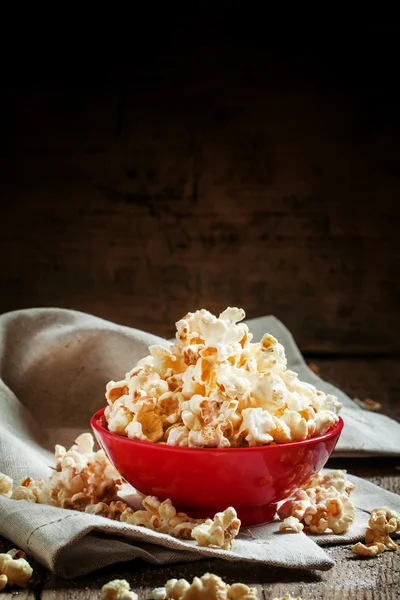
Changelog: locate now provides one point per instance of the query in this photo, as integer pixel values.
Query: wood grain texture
(224, 175)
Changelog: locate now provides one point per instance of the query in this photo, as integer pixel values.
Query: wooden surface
(225, 174)
(352, 578)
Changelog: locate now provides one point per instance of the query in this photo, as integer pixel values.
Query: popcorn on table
(382, 523)
(207, 587)
(14, 569)
(118, 589)
(214, 388)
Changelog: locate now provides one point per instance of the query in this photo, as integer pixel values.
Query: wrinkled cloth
(54, 366)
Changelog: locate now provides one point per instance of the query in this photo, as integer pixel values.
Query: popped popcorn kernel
(176, 588)
(240, 591)
(118, 589)
(14, 569)
(220, 531)
(368, 404)
(370, 550)
(161, 517)
(291, 524)
(382, 522)
(159, 593)
(23, 493)
(6, 485)
(214, 388)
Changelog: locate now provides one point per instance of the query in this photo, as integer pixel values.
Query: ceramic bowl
(203, 481)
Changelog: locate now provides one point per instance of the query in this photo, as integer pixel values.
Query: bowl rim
(96, 426)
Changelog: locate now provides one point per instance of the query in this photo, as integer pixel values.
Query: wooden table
(351, 578)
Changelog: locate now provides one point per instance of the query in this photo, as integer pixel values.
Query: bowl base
(249, 516)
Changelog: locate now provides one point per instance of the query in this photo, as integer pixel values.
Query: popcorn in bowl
(214, 388)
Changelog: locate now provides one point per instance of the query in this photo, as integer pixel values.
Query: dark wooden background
(211, 171)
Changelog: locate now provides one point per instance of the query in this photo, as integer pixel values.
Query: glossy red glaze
(203, 481)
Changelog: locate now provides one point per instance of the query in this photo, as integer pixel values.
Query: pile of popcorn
(214, 388)
(14, 569)
(321, 506)
(85, 480)
(207, 587)
(82, 478)
(382, 523)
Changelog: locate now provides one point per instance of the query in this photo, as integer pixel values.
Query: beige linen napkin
(54, 365)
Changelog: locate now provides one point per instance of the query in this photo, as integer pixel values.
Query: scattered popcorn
(371, 550)
(119, 589)
(176, 588)
(323, 505)
(291, 524)
(214, 388)
(368, 404)
(240, 591)
(161, 517)
(82, 478)
(220, 531)
(287, 597)
(87, 482)
(6, 485)
(382, 522)
(208, 587)
(159, 593)
(14, 569)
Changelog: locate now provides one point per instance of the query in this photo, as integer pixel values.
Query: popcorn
(176, 588)
(382, 522)
(214, 388)
(368, 404)
(82, 477)
(287, 597)
(240, 591)
(23, 493)
(6, 485)
(207, 587)
(323, 505)
(14, 569)
(255, 427)
(291, 524)
(371, 550)
(161, 517)
(118, 589)
(220, 531)
(159, 593)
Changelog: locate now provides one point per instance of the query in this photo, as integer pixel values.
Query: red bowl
(203, 481)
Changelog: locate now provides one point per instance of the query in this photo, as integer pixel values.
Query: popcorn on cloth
(381, 524)
(118, 589)
(86, 481)
(323, 505)
(14, 569)
(291, 525)
(161, 517)
(82, 477)
(214, 388)
(6, 485)
(220, 531)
